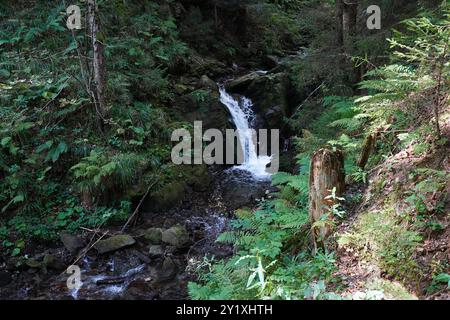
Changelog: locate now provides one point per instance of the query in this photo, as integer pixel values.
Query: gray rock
(33, 263)
(114, 243)
(156, 251)
(71, 243)
(153, 235)
(176, 236)
(53, 262)
(168, 270)
(207, 83)
(241, 83)
(240, 192)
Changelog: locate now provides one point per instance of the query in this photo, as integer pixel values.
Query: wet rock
(168, 270)
(155, 251)
(206, 83)
(114, 243)
(169, 196)
(142, 257)
(176, 236)
(274, 115)
(200, 180)
(240, 84)
(138, 290)
(268, 92)
(33, 263)
(271, 61)
(5, 278)
(153, 235)
(237, 191)
(53, 262)
(209, 110)
(71, 243)
(180, 88)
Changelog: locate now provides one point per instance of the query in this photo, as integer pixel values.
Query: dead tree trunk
(98, 60)
(349, 15)
(369, 143)
(326, 173)
(339, 17)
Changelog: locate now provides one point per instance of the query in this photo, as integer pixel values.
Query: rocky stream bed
(154, 259)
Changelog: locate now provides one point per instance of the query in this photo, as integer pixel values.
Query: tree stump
(369, 143)
(326, 173)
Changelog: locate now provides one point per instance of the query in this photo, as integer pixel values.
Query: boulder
(53, 262)
(240, 84)
(33, 263)
(71, 243)
(209, 110)
(206, 83)
(176, 236)
(168, 270)
(139, 290)
(240, 191)
(199, 179)
(153, 235)
(114, 243)
(155, 251)
(167, 197)
(271, 61)
(180, 88)
(268, 92)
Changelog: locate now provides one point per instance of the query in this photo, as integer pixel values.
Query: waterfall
(244, 117)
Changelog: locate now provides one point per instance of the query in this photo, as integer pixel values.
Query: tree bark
(98, 61)
(326, 173)
(339, 17)
(349, 15)
(369, 143)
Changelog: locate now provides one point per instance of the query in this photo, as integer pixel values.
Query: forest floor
(362, 275)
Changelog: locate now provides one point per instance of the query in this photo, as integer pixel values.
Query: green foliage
(267, 264)
(439, 281)
(51, 148)
(46, 226)
(391, 241)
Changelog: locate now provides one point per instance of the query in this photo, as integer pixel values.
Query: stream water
(244, 119)
(132, 273)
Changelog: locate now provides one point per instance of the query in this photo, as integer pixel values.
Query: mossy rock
(114, 243)
(209, 110)
(153, 235)
(167, 197)
(176, 236)
(199, 178)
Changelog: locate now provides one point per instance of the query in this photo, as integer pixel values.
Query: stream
(161, 271)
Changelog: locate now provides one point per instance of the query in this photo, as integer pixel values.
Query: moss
(391, 290)
(384, 238)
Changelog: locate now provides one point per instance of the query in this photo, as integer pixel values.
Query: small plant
(335, 209)
(439, 281)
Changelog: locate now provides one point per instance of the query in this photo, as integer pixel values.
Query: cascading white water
(243, 117)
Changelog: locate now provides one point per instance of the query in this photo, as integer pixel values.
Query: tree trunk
(339, 17)
(369, 143)
(86, 200)
(98, 60)
(326, 173)
(349, 15)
